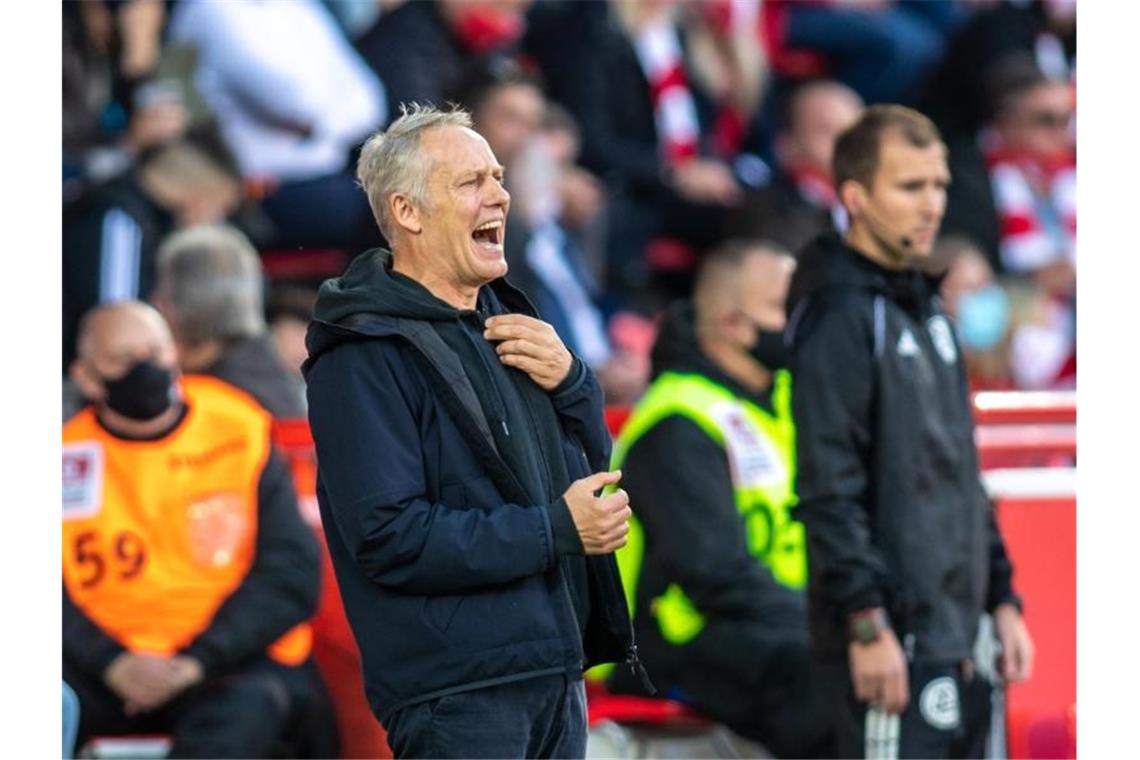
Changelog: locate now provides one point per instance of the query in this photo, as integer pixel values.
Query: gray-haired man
(460, 447)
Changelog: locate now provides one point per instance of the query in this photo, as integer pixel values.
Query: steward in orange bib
(188, 573)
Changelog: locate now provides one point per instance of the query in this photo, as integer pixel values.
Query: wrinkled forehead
(452, 150)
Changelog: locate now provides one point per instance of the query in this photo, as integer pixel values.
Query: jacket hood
(370, 300)
(369, 286)
(828, 263)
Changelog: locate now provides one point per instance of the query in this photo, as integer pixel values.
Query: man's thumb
(601, 479)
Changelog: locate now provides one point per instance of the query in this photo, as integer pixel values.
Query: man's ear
(404, 213)
(89, 386)
(853, 196)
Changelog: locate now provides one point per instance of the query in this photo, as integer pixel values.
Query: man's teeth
(488, 226)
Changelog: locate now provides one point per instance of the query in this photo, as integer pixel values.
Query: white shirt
(265, 63)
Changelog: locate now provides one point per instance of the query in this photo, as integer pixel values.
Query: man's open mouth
(489, 233)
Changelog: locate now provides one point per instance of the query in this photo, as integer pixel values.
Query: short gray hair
(211, 277)
(390, 162)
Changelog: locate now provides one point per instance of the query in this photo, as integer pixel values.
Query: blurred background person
(111, 235)
(293, 100)
(799, 203)
(979, 308)
(288, 311)
(422, 49)
(188, 574)
(114, 107)
(660, 137)
(209, 289)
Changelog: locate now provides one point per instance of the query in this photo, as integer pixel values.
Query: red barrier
(1040, 535)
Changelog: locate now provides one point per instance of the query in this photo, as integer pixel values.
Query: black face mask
(146, 391)
(769, 349)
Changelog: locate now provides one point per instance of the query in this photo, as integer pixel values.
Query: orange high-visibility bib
(157, 534)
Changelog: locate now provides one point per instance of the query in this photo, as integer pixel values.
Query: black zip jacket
(887, 468)
(456, 556)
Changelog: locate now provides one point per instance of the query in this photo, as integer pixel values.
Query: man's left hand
(1016, 661)
(532, 346)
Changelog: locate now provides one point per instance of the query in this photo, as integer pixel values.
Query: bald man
(187, 571)
(715, 564)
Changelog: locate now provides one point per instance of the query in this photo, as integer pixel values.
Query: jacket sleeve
(581, 405)
(373, 473)
(681, 491)
(833, 378)
(281, 588)
(1000, 582)
(86, 644)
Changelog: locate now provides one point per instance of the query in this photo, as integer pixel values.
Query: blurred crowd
(210, 150)
(637, 136)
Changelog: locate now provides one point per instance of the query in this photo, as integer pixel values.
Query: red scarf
(1036, 202)
(658, 48)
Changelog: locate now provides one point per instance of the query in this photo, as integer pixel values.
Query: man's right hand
(878, 672)
(143, 681)
(602, 521)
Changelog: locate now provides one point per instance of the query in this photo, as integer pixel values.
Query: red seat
(641, 711)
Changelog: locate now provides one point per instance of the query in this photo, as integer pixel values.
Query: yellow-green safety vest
(761, 452)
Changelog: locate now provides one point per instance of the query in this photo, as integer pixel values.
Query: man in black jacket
(903, 547)
(460, 446)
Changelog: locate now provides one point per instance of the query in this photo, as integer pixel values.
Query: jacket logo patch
(218, 527)
(943, 337)
(82, 479)
(938, 703)
(752, 458)
(907, 345)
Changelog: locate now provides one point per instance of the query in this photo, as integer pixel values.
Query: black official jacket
(887, 468)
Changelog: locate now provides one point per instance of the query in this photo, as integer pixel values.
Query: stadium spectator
(979, 308)
(882, 49)
(708, 459)
(956, 97)
(903, 545)
(209, 290)
(421, 49)
(111, 235)
(187, 572)
(648, 130)
(508, 109)
(800, 202)
(112, 109)
(288, 313)
(293, 99)
(461, 558)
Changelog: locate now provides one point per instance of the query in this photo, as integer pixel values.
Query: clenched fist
(602, 521)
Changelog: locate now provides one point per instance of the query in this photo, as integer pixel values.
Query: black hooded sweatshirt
(887, 470)
(440, 482)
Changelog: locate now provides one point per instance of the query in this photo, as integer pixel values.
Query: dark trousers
(261, 710)
(537, 717)
(948, 715)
